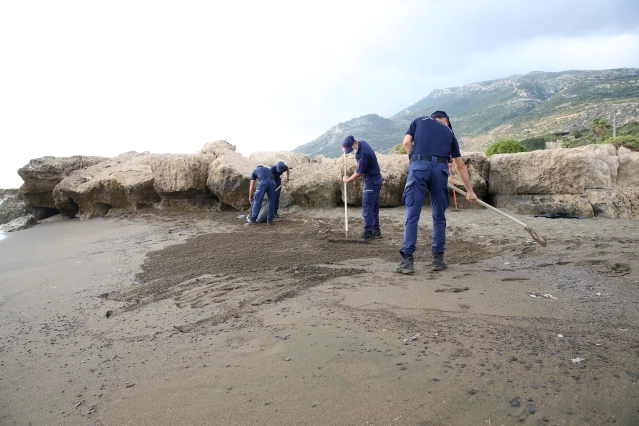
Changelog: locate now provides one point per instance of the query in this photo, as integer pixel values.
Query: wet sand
(196, 319)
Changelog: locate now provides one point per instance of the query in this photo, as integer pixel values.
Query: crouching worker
(277, 171)
(265, 186)
(368, 168)
(434, 146)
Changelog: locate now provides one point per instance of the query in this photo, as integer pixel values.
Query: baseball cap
(280, 166)
(442, 114)
(348, 144)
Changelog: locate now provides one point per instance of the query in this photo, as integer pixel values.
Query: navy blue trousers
(370, 205)
(264, 187)
(425, 176)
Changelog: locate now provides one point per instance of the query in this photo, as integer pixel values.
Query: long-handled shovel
(347, 240)
(345, 201)
(538, 238)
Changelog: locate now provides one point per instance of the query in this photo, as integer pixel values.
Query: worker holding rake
(431, 144)
(368, 168)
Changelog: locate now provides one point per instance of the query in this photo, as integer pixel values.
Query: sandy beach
(196, 319)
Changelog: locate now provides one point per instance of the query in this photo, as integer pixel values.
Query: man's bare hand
(345, 179)
(471, 196)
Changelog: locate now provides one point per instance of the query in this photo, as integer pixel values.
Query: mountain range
(518, 107)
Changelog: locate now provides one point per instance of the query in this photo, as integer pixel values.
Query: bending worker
(368, 168)
(265, 186)
(277, 171)
(434, 145)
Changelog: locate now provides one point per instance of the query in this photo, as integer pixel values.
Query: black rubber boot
(438, 261)
(377, 234)
(406, 265)
(367, 235)
(251, 222)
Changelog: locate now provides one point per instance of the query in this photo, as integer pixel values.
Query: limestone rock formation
(228, 179)
(41, 175)
(12, 206)
(574, 204)
(557, 171)
(614, 203)
(268, 159)
(628, 175)
(125, 182)
(602, 164)
(217, 148)
(19, 224)
(180, 181)
(318, 184)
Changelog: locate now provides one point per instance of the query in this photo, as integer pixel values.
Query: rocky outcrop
(628, 175)
(41, 175)
(124, 182)
(229, 177)
(19, 224)
(478, 166)
(574, 204)
(557, 171)
(318, 184)
(614, 203)
(12, 206)
(602, 164)
(217, 148)
(268, 159)
(180, 181)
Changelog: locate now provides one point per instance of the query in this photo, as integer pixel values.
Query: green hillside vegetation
(526, 108)
(505, 146)
(398, 149)
(381, 133)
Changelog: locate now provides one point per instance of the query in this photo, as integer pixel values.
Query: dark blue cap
(442, 114)
(280, 166)
(347, 144)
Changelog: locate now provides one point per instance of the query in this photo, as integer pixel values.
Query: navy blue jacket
(431, 137)
(262, 173)
(367, 165)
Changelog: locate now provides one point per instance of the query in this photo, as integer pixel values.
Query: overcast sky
(101, 78)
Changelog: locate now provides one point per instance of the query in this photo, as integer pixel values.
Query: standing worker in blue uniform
(368, 168)
(265, 186)
(431, 143)
(277, 171)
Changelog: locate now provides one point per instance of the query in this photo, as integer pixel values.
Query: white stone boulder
(229, 177)
(19, 224)
(217, 148)
(124, 182)
(628, 175)
(602, 165)
(41, 175)
(544, 172)
(318, 184)
(574, 204)
(614, 203)
(268, 159)
(12, 206)
(180, 181)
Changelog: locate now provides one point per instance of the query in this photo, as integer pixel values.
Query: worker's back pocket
(408, 197)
